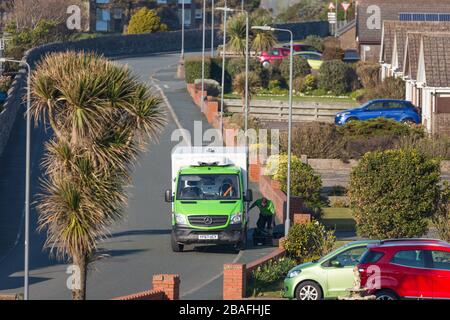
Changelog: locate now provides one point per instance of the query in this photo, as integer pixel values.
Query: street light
(203, 55)
(27, 175)
(212, 28)
(291, 72)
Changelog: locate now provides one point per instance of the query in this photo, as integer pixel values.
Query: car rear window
(410, 258)
(371, 257)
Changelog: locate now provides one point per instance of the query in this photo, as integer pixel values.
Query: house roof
(412, 48)
(436, 55)
(387, 40)
(369, 27)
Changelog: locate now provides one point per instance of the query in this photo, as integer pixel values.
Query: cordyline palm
(239, 86)
(236, 30)
(101, 117)
(262, 40)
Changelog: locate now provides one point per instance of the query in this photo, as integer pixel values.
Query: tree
(337, 77)
(393, 193)
(236, 31)
(301, 68)
(253, 85)
(262, 40)
(145, 21)
(100, 125)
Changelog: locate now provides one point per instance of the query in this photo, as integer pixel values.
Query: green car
(314, 58)
(328, 277)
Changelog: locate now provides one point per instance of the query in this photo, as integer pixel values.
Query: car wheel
(176, 247)
(386, 295)
(266, 64)
(351, 119)
(408, 121)
(308, 290)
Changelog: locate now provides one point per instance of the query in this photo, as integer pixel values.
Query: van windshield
(208, 187)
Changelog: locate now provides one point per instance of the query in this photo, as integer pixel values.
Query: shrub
(337, 77)
(315, 41)
(368, 73)
(309, 242)
(434, 147)
(305, 84)
(269, 273)
(380, 127)
(5, 83)
(304, 182)
(193, 69)
(441, 219)
(390, 88)
(393, 193)
(145, 21)
(301, 68)
(212, 87)
(332, 53)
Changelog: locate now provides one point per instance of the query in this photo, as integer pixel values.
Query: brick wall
(165, 287)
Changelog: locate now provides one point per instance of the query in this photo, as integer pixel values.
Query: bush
(145, 21)
(393, 193)
(390, 88)
(368, 73)
(5, 83)
(434, 147)
(270, 273)
(380, 127)
(212, 87)
(337, 77)
(309, 242)
(301, 68)
(315, 41)
(305, 84)
(304, 182)
(441, 219)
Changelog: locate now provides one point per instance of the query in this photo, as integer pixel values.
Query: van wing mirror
(169, 196)
(249, 196)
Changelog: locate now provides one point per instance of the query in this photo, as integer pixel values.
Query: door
(441, 274)
(393, 110)
(373, 110)
(411, 274)
(339, 270)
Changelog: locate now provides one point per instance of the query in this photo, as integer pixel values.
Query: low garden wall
(165, 287)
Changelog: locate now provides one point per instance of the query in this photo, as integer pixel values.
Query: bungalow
(370, 15)
(433, 81)
(394, 34)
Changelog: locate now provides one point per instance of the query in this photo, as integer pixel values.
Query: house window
(416, 16)
(103, 19)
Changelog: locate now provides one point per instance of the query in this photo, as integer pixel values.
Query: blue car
(398, 110)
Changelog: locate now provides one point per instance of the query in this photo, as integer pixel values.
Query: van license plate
(208, 237)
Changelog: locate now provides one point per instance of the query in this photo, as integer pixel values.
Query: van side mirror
(169, 196)
(248, 196)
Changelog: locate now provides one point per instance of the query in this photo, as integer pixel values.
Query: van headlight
(236, 218)
(180, 219)
(293, 273)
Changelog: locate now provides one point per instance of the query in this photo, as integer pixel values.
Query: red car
(407, 268)
(279, 53)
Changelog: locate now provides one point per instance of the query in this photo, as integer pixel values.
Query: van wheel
(308, 290)
(386, 295)
(176, 247)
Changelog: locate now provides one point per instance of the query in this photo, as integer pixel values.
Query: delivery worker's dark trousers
(264, 221)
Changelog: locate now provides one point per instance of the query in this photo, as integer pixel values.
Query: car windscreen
(208, 187)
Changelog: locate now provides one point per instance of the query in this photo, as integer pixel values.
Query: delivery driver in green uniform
(266, 213)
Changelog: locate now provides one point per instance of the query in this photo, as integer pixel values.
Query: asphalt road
(140, 246)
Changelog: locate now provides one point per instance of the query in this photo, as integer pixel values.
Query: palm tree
(101, 116)
(262, 40)
(236, 29)
(253, 85)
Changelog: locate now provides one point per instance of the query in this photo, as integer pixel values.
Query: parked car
(300, 47)
(351, 56)
(314, 58)
(398, 110)
(329, 277)
(275, 54)
(414, 268)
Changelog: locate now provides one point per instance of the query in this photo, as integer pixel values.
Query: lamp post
(182, 29)
(291, 72)
(212, 28)
(225, 14)
(27, 176)
(203, 55)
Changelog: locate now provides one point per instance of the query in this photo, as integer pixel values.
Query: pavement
(139, 246)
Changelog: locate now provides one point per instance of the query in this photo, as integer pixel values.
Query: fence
(279, 110)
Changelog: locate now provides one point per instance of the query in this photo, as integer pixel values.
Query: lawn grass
(339, 219)
(343, 100)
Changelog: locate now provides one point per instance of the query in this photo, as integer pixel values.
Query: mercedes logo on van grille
(208, 221)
